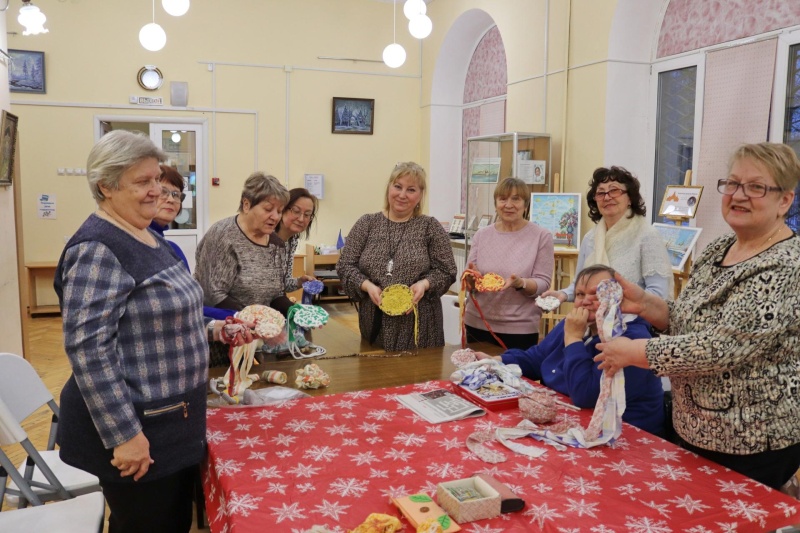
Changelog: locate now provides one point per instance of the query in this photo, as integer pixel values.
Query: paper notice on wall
(47, 206)
(315, 183)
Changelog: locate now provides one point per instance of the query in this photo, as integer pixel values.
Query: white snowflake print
(345, 404)
(541, 487)
(235, 416)
(495, 472)
(449, 444)
(399, 455)
(689, 504)
(666, 455)
(349, 442)
(241, 504)
(706, 469)
(753, 512)
(257, 456)
(656, 486)
(484, 529)
(338, 430)
(316, 407)
(572, 457)
(302, 470)
(227, 467)
(628, 490)
(433, 429)
(406, 471)
(517, 489)
(289, 512)
(249, 442)
(735, 488)
(646, 525)
(596, 471)
(569, 530)
(580, 485)
(221, 510)
(623, 468)
(621, 444)
(596, 453)
(660, 508)
(396, 492)
(445, 470)
(283, 439)
(427, 386)
(364, 458)
(331, 509)
(601, 529)
(698, 529)
(410, 439)
(374, 440)
(244, 428)
(301, 426)
(266, 473)
(645, 439)
(348, 415)
(216, 437)
(528, 470)
(305, 487)
(375, 474)
(787, 509)
(283, 454)
(485, 425)
(276, 488)
(321, 453)
(266, 415)
(671, 472)
(286, 404)
(582, 507)
(540, 513)
(348, 487)
(327, 416)
(359, 395)
(380, 414)
(266, 426)
(369, 427)
(728, 527)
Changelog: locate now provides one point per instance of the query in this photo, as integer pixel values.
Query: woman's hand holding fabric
(481, 355)
(469, 279)
(374, 292)
(575, 325)
(305, 277)
(562, 297)
(418, 290)
(621, 352)
(637, 301)
(132, 458)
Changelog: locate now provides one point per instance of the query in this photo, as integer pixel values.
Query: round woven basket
(396, 300)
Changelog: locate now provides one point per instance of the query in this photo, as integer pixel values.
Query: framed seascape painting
(26, 72)
(680, 241)
(8, 141)
(560, 213)
(353, 115)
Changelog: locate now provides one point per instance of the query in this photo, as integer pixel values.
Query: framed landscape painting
(680, 241)
(353, 115)
(560, 213)
(8, 141)
(26, 72)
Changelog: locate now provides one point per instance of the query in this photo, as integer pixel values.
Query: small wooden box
(470, 510)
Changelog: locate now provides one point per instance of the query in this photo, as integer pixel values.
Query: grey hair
(259, 186)
(593, 270)
(113, 154)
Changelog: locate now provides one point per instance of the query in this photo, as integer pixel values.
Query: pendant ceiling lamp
(420, 26)
(152, 36)
(176, 8)
(32, 18)
(394, 55)
(412, 8)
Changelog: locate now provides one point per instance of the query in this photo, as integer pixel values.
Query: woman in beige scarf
(623, 238)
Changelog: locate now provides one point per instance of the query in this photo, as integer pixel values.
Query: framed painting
(680, 241)
(8, 142)
(353, 115)
(26, 72)
(560, 213)
(681, 201)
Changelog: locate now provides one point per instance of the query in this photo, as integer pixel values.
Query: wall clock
(149, 77)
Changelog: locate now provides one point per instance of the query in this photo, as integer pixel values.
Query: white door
(184, 145)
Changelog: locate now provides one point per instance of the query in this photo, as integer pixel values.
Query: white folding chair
(83, 514)
(43, 476)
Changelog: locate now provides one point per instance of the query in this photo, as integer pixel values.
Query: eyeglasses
(175, 195)
(611, 193)
(751, 189)
(296, 211)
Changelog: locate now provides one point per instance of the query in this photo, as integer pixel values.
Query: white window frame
(778, 115)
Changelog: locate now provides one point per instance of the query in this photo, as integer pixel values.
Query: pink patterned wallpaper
(693, 24)
(487, 75)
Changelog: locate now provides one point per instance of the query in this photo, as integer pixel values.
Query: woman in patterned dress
(731, 343)
(399, 245)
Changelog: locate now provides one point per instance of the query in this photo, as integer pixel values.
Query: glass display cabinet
(491, 159)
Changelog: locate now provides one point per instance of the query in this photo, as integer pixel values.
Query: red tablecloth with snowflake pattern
(332, 460)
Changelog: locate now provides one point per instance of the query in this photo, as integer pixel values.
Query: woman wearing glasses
(297, 217)
(623, 238)
(169, 205)
(731, 343)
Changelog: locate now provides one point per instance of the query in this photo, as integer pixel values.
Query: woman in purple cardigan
(522, 253)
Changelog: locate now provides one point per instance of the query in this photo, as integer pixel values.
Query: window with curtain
(791, 130)
(674, 131)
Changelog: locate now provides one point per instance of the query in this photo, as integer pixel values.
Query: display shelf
(323, 267)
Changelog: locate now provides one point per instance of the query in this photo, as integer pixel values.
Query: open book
(440, 405)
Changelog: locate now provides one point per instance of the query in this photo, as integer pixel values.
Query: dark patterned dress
(420, 249)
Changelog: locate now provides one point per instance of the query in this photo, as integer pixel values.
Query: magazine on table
(440, 405)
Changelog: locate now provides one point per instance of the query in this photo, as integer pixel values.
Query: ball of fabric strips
(538, 407)
(313, 286)
(490, 282)
(396, 300)
(548, 303)
(310, 316)
(463, 357)
(269, 322)
(311, 377)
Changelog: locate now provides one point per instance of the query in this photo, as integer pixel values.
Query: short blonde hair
(413, 170)
(779, 159)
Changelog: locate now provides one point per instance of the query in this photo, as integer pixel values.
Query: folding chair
(43, 476)
(83, 514)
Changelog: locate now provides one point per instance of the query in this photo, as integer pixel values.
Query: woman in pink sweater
(522, 253)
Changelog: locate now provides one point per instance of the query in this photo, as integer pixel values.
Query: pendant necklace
(394, 244)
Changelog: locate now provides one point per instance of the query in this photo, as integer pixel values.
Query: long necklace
(123, 226)
(394, 244)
